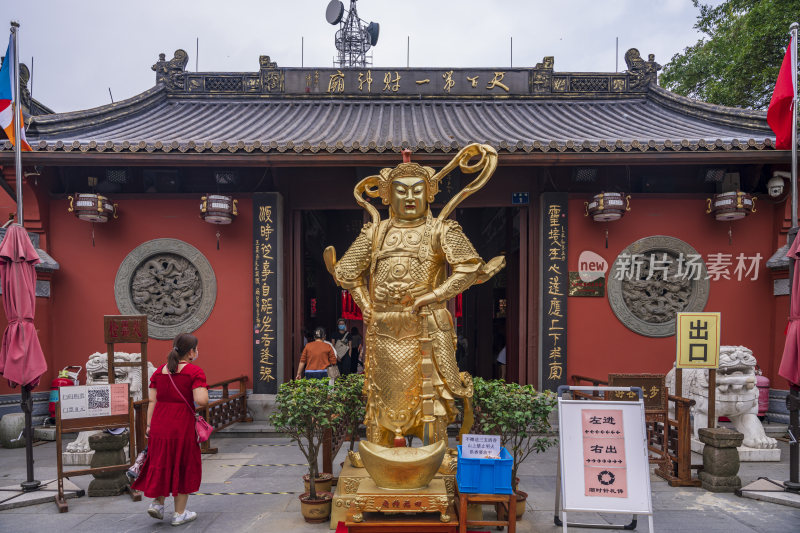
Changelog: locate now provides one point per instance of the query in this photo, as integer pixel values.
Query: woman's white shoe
(186, 516)
(156, 511)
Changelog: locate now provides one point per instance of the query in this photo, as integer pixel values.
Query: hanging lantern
(607, 206)
(731, 205)
(218, 208)
(92, 207)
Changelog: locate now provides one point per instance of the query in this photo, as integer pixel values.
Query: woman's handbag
(133, 471)
(341, 346)
(333, 371)
(201, 428)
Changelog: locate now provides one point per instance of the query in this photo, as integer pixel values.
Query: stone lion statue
(97, 374)
(736, 395)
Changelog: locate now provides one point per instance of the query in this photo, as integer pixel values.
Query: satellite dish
(334, 12)
(373, 30)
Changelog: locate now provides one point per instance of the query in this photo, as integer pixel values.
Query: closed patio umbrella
(21, 358)
(790, 364)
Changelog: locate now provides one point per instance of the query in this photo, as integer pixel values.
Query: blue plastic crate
(485, 476)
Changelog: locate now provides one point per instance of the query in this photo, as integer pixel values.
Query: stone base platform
(751, 455)
(13, 497)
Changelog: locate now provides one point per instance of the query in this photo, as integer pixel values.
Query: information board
(86, 401)
(604, 464)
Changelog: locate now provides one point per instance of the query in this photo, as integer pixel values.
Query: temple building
(206, 201)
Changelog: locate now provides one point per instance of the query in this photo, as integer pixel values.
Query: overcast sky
(81, 49)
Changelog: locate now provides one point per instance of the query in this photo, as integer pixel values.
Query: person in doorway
(356, 348)
(341, 343)
(317, 356)
(173, 465)
(501, 363)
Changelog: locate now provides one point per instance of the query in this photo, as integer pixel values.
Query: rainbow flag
(7, 83)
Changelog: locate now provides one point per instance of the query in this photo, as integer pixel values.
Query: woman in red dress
(172, 466)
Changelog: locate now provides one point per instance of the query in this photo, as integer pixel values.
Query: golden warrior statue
(397, 272)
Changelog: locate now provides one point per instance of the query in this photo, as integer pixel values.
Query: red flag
(779, 112)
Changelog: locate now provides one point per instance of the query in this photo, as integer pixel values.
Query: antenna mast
(354, 38)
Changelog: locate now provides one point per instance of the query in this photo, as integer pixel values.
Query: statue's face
(408, 198)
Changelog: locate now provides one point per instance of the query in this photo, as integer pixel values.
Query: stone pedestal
(109, 450)
(747, 454)
(720, 459)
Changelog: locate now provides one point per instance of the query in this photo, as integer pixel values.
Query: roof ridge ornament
(642, 73)
(172, 73)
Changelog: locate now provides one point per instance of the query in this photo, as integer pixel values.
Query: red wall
(82, 291)
(599, 343)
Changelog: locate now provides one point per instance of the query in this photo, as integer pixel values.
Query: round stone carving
(677, 283)
(171, 282)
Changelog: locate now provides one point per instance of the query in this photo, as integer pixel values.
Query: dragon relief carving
(167, 288)
(654, 297)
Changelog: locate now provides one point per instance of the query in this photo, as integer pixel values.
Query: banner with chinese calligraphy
(698, 340)
(554, 278)
(603, 461)
(267, 292)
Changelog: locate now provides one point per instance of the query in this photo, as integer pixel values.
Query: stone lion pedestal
(736, 398)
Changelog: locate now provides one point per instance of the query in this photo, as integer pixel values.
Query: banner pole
(17, 113)
(793, 400)
(793, 29)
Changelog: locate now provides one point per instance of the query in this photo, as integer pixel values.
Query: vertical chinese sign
(267, 292)
(554, 286)
(605, 471)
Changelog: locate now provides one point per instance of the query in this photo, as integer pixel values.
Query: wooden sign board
(652, 385)
(125, 328)
(91, 408)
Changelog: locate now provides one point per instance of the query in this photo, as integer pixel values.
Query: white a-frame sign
(603, 464)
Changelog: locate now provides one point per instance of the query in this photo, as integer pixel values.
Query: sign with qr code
(87, 401)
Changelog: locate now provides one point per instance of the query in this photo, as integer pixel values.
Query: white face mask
(196, 354)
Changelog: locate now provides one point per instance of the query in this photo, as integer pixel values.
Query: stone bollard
(720, 459)
(11, 426)
(108, 451)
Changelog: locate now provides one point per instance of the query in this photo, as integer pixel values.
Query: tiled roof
(154, 121)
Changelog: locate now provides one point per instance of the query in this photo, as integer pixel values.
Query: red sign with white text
(604, 466)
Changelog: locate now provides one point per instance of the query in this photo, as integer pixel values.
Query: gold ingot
(402, 467)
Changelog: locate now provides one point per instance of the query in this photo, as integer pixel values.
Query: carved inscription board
(267, 299)
(554, 286)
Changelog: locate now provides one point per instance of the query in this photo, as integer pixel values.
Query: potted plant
(304, 409)
(519, 414)
(350, 393)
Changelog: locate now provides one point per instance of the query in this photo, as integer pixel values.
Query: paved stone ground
(230, 471)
